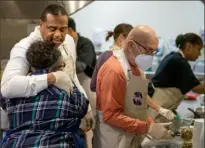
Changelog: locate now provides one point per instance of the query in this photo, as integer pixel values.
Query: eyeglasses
(61, 66)
(56, 68)
(148, 51)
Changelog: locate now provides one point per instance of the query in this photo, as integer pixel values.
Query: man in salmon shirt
(122, 119)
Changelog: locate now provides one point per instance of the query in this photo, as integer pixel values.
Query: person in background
(53, 27)
(122, 118)
(52, 117)
(174, 76)
(86, 56)
(119, 34)
(85, 63)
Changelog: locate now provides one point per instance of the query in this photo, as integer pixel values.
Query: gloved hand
(159, 132)
(63, 81)
(166, 113)
(87, 122)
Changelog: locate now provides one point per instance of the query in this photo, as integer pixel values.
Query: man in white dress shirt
(53, 27)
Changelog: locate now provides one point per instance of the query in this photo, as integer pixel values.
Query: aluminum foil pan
(163, 144)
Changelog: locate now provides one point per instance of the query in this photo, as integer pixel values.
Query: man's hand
(159, 132)
(63, 81)
(166, 113)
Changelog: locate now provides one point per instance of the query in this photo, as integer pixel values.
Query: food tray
(163, 144)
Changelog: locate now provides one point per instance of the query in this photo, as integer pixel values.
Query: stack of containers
(198, 133)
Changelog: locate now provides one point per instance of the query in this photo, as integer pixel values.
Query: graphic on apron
(138, 99)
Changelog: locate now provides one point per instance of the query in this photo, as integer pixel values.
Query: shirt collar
(126, 60)
(37, 33)
(138, 71)
(76, 42)
(181, 52)
(115, 47)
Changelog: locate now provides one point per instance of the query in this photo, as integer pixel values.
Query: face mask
(144, 61)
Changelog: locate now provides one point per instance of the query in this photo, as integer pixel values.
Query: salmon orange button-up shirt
(111, 93)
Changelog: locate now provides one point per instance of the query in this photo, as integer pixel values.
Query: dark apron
(150, 89)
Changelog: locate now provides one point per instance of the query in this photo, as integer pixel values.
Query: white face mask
(144, 61)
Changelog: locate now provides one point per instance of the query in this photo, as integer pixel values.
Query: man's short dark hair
(71, 24)
(42, 54)
(53, 9)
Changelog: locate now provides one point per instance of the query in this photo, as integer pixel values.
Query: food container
(178, 124)
(187, 134)
(163, 144)
(201, 98)
(198, 112)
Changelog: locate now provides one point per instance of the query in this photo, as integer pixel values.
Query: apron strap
(153, 86)
(151, 89)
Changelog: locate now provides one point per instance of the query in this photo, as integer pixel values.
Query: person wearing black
(174, 76)
(86, 56)
(85, 63)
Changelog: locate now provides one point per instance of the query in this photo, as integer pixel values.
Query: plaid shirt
(48, 120)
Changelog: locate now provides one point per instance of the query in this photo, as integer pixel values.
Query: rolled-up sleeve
(112, 94)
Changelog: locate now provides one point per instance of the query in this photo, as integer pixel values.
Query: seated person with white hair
(52, 117)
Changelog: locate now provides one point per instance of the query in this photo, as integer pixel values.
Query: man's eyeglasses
(148, 51)
(61, 66)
